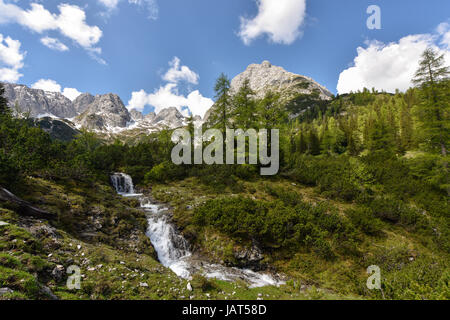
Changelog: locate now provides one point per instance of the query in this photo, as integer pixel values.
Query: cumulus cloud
(71, 93)
(53, 86)
(280, 20)
(54, 44)
(9, 75)
(70, 22)
(47, 85)
(168, 95)
(11, 59)
(178, 73)
(390, 66)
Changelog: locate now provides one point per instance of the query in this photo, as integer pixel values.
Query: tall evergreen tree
(244, 107)
(4, 109)
(314, 143)
(432, 76)
(220, 117)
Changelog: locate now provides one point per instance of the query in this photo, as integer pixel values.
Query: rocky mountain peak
(265, 76)
(38, 102)
(105, 111)
(169, 116)
(136, 115)
(266, 64)
(82, 102)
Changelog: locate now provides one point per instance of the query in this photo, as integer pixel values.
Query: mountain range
(107, 113)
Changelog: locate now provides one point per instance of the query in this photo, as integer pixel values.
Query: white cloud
(168, 96)
(279, 19)
(150, 5)
(178, 73)
(110, 4)
(54, 44)
(389, 66)
(11, 58)
(198, 104)
(444, 31)
(53, 86)
(70, 22)
(9, 75)
(71, 93)
(47, 85)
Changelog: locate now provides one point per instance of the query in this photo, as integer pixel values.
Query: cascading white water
(173, 250)
(171, 247)
(123, 184)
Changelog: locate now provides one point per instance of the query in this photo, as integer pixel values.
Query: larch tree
(433, 77)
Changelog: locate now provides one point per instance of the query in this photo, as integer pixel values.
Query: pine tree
(432, 76)
(270, 111)
(4, 109)
(302, 145)
(314, 143)
(220, 116)
(244, 107)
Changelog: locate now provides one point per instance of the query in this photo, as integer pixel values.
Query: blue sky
(125, 46)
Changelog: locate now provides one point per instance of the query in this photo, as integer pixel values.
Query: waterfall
(173, 250)
(171, 247)
(122, 183)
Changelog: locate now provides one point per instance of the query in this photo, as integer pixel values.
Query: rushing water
(173, 250)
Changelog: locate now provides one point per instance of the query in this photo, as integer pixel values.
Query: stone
(189, 286)
(46, 291)
(5, 290)
(58, 272)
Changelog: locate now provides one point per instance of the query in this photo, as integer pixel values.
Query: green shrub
(165, 171)
(364, 219)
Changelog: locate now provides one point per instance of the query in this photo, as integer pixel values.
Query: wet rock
(249, 257)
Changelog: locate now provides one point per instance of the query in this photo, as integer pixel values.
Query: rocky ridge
(101, 113)
(266, 77)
